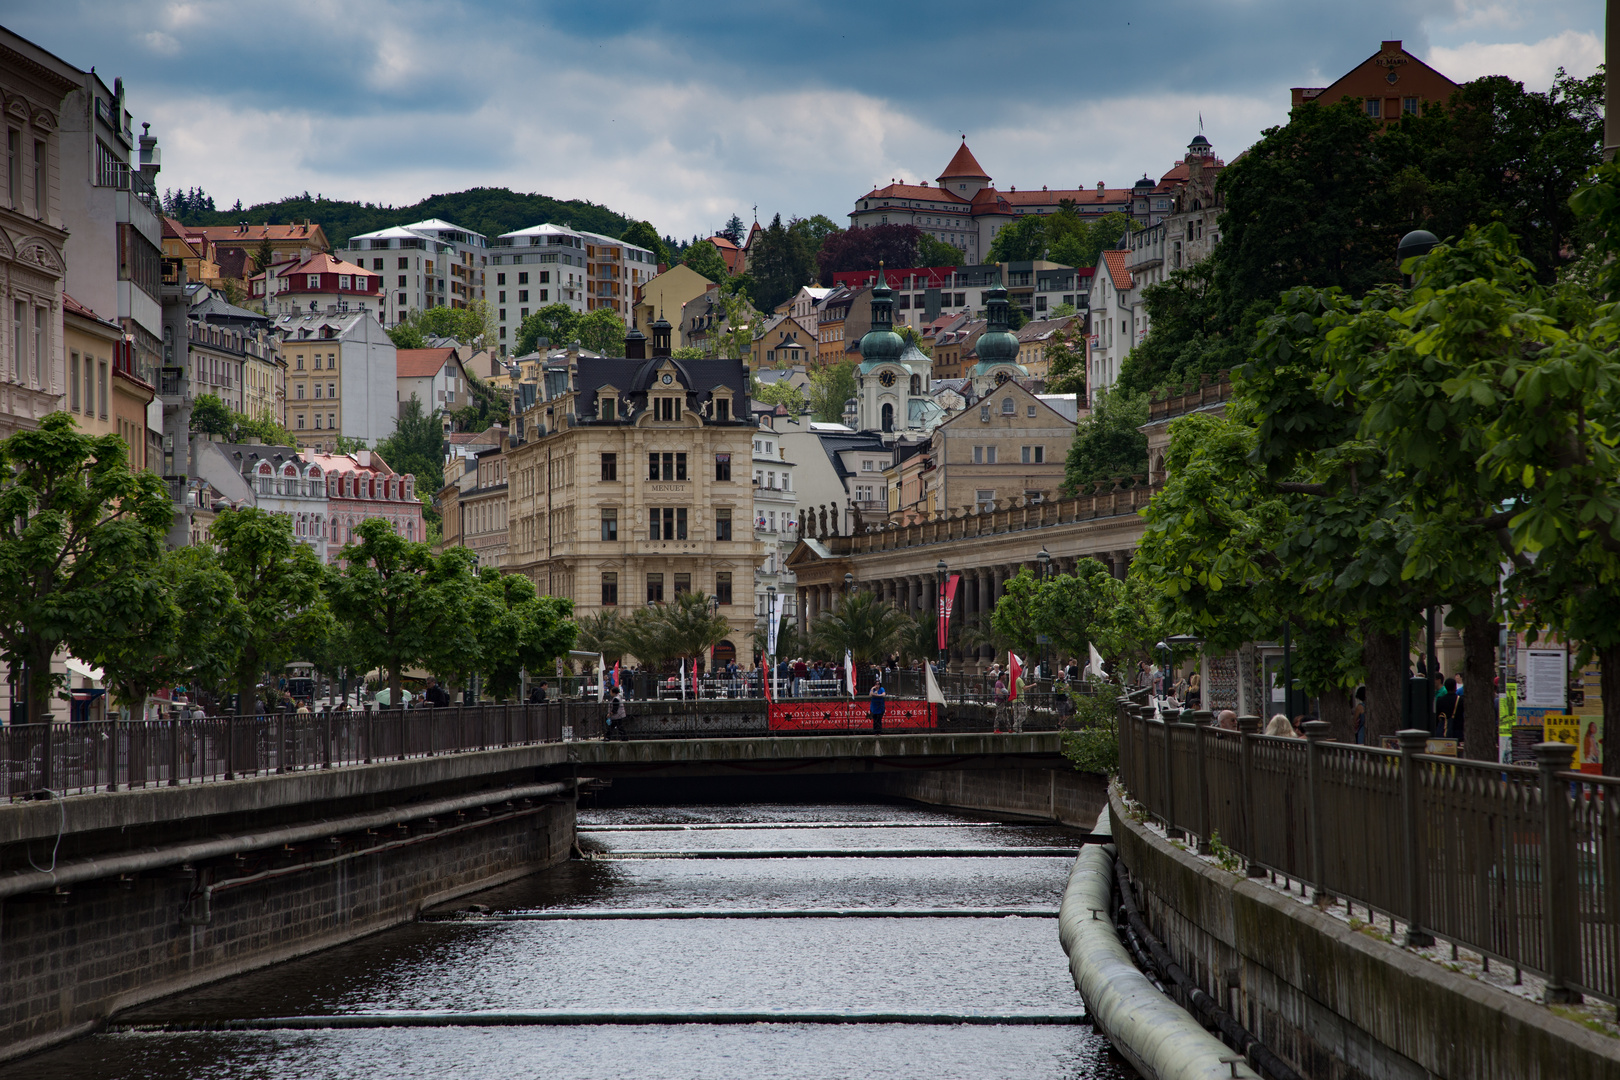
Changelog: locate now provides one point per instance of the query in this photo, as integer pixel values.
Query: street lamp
(849, 584)
(939, 614)
(770, 623)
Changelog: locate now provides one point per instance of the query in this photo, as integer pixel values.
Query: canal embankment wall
(1059, 794)
(1337, 1002)
(108, 901)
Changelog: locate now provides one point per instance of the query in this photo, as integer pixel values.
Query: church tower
(964, 177)
(893, 379)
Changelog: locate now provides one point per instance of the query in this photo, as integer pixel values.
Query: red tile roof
(254, 233)
(1115, 259)
(421, 363)
(323, 263)
(964, 164)
(70, 304)
(914, 191)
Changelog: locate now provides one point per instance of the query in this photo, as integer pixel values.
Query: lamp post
(940, 575)
(1164, 671)
(849, 585)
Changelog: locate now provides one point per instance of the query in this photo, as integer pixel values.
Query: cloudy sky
(683, 113)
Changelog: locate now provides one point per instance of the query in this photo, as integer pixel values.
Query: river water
(747, 942)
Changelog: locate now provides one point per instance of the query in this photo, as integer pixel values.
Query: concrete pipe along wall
(1159, 1038)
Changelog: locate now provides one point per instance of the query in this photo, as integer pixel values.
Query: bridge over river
(171, 854)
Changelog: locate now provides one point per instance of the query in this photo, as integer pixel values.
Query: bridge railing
(75, 758)
(1518, 863)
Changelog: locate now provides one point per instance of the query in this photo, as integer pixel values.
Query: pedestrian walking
(877, 704)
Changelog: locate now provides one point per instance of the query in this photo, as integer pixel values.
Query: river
(710, 942)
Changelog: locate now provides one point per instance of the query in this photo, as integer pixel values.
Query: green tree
(407, 335)
(516, 630)
(781, 392)
(862, 625)
(277, 583)
(602, 332)
(80, 545)
(557, 323)
(689, 627)
(1023, 240)
(417, 445)
(781, 262)
(470, 325)
(1066, 357)
(602, 633)
(643, 235)
(830, 387)
(705, 258)
(734, 230)
(211, 416)
(399, 604)
(1013, 616)
(191, 636)
(1109, 442)
(263, 255)
(932, 251)
(813, 231)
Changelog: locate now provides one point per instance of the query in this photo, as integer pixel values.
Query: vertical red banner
(943, 624)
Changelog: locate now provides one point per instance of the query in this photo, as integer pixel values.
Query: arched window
(289, 479)
(266, 483)
(337, 530)
(888, 417)
(317, 483)
(916, 385)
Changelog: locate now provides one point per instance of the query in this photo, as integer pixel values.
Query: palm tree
(692, 626)
(602, 633)
(920, 642)
(644, 636)
(867, 628)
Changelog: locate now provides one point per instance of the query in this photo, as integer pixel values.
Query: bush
(1093, 742)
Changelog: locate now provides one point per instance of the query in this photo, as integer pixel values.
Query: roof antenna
(1200, 121)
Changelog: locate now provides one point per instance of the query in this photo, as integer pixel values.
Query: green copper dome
(997, 345)
(881, 342)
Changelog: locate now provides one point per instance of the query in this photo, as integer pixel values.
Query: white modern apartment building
(775, 519)
(425, 264)
(552, 264)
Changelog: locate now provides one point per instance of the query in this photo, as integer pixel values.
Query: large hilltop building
(967, 210)
(1389, 84)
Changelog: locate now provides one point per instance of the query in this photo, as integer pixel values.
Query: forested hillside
(491, 211)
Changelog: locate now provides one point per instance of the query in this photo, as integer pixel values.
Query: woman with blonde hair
(1279, 726)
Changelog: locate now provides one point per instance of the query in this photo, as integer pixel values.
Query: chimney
(362, 458)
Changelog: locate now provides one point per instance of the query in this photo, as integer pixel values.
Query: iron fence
(1518, 863)
(112, 755)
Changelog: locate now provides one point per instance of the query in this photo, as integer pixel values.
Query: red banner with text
(842, 714)
(942, 624)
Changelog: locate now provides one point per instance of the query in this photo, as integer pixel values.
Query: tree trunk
(1480, 719)
(247, 675)
(39, 685)
(1386, 676)
(1609, 681)
(396, 687)
(1336, 710)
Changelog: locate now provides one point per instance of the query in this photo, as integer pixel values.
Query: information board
(1545, 673)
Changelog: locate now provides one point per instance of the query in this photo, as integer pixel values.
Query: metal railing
(76, 758)
(1518, 863)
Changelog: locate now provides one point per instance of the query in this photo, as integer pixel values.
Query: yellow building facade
(629, 483)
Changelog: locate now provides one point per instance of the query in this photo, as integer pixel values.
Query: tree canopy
(81, 540)
(706, 259)
(895, 246)
(1322, 201)
(471, 325)
(1063, 237)
(830, 387)
(1108, 443)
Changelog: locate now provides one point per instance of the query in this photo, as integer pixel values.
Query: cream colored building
(103, 394)
(665, 295)
(1008, 445)
(628, 483)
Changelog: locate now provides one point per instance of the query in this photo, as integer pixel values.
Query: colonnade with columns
(976, 594)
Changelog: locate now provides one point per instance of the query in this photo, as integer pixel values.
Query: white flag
(1096, 665)
(773, 626)
(849, 671)
(931, 686)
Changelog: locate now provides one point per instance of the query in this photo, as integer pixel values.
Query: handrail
(1517, 863)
